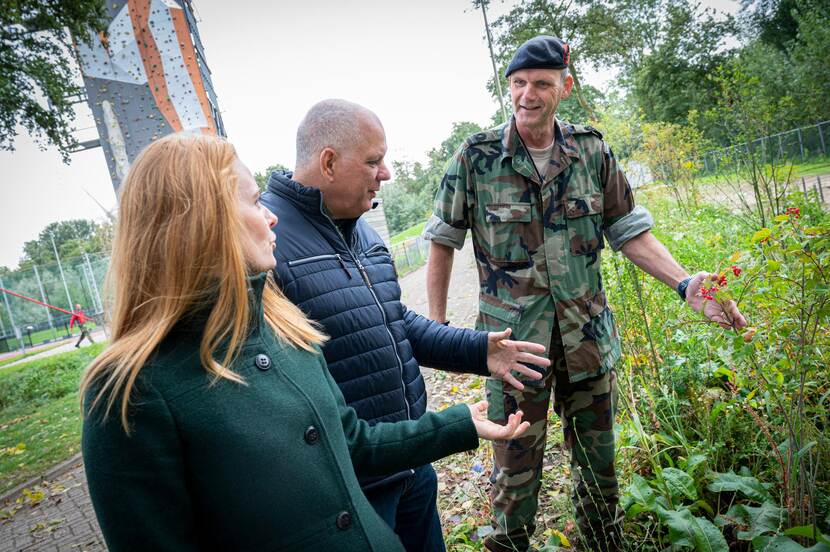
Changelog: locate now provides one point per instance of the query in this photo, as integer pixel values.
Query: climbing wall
(145, 77)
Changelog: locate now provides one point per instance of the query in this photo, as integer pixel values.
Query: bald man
(333, 265)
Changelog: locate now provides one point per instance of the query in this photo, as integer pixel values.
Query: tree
(72, 238)
(673, 79)
(612, 33)
(408, 199)
(37, 70)
(262, 177)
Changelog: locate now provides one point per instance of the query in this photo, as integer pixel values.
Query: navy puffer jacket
(350, 286)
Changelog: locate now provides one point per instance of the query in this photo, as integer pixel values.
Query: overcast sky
(419, 65)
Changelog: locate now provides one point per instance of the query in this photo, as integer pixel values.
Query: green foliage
(723, 432)
(40, 381)
(71, 237)
(408, 199)
(36, 67)
(672, 79)
(262, 177)
(669, 150)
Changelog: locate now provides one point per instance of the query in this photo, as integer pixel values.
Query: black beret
(541, 52)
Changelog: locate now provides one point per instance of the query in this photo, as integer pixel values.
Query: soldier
(538, 194)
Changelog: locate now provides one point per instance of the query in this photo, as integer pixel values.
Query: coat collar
(309, 200)
(514, 149)
(194, 322)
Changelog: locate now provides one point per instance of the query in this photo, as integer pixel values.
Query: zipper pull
(343, 264)
(363, 272)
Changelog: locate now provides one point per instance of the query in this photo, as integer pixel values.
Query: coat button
(262, 362)
(312, 435)
(344, 519)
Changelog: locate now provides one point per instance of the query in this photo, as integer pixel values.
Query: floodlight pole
(60, 267)
(493, 60)
(17, 334)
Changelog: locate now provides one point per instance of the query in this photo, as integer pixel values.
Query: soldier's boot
(517, 470)
(587, 411)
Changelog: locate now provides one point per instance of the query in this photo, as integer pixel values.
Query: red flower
(722, 280)
(793, 211)
(736, 270)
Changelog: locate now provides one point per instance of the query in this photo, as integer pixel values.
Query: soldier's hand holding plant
(708, 293)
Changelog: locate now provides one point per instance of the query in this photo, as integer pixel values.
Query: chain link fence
(79, 280)
(800, 144)
(410, 254)
(24, 323)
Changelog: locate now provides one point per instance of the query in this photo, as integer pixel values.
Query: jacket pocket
(494, 315)
(584, 220)
(314, 259)
(506, 226)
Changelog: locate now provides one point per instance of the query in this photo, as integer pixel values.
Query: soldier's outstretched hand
(505, 355)
(492, 431)
(726, 314)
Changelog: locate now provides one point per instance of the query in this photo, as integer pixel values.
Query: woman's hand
(492, 431)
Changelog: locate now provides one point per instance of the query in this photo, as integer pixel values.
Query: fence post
(820, 191)
(804, 187)
(801, 144)
(43, 298)
(17, 334)
(95, 295)
(821, 137)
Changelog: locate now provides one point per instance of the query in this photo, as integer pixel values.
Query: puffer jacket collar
(307, 199)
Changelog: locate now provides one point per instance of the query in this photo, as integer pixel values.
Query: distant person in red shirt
(81, 318)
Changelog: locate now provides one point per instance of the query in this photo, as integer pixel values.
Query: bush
(47, 379)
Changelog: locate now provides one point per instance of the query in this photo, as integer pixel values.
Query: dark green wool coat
(262, 466)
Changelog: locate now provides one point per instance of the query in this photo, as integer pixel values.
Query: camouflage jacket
(537, 244)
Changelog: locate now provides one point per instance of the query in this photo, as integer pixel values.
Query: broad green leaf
(749, 486)
(641, 492)
(693, 532)
(679, 483)
(694, 461)
(781, 543)
(782, 218)
(751, 521)
(804, 531)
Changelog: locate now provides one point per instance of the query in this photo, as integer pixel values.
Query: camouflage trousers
(586, 409)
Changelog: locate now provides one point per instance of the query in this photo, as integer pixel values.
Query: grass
(32, 440)
(411, 232)
(40, 420)
(808, 168)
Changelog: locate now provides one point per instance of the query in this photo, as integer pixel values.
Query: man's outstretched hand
(505, 356)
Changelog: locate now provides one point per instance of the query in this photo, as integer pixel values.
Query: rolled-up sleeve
(440, 232)
(450, 218)
(628, 226)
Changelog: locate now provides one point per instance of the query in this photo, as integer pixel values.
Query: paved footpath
(68, 344)
(55, 513)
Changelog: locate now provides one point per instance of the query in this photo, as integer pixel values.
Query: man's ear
(327, 159)
(569, 84)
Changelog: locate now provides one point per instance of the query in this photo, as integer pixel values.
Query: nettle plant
(774, 374)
